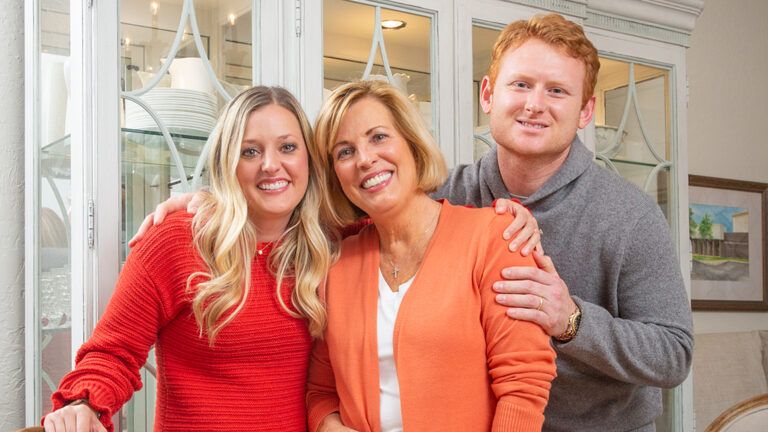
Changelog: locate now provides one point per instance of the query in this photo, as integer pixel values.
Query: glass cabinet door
(180, 62)
(49, 267)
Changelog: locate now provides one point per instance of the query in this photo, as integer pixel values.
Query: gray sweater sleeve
(651, 341)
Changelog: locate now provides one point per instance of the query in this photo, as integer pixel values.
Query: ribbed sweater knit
(253, 378)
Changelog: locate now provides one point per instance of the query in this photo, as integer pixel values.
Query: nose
(270, 162)
(366, 157)
(535, 102)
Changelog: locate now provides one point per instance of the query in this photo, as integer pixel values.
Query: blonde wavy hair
(226, 239)
(430, 164)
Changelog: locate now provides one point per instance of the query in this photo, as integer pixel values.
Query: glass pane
(632, 124)
(147, 32)
(482, 46)
(347, 38)
(54, 200)
(149, 175)
(186, 101)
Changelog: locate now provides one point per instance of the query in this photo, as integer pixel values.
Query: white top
(389, 304)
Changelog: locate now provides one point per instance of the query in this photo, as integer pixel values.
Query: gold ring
(541, 303)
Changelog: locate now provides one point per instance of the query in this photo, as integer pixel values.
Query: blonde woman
(415, 340)
(227, 297)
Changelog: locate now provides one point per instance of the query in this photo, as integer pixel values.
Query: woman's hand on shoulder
(190, 201)
(76, 417)
(524, 229)
(332, 423)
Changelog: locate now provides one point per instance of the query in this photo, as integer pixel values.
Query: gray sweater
(611, 245)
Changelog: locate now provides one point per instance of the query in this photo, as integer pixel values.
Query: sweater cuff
(512, 417)
(320, 409)
(97, 399)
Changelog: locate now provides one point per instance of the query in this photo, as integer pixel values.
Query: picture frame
(727, 231)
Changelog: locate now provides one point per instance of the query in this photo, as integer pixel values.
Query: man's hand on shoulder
(523, 231)
(537, 295)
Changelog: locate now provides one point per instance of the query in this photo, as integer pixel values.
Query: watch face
(575, 321)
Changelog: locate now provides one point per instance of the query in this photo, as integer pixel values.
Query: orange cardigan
(462, 364)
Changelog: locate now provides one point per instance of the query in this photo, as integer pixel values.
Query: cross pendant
(395, 272)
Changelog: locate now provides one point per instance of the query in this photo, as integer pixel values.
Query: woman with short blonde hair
(414, 338)
(430, 163)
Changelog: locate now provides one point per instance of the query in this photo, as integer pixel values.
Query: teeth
(531, 125)
(273, 186)
(373, 181)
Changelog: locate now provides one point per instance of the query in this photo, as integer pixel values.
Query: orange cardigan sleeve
(521, 360)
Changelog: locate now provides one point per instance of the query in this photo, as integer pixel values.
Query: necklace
(261, 251)
(395, 272)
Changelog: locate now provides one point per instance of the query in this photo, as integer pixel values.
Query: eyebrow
(526, 77)
(368, 132)
(284, 136)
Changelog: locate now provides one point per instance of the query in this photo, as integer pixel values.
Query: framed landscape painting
(727, 227)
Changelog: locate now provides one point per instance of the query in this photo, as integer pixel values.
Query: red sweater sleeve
(521, 361)
(107, 365)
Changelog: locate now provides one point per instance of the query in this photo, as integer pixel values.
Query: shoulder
(476, 216)
(470, 224)
(611, 191)
(458, 181)
(355, 246)
(169, 238)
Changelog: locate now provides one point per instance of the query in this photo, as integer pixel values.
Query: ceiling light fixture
(231, 18)
(392, 24)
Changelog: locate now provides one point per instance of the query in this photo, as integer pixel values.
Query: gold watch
(572, 328)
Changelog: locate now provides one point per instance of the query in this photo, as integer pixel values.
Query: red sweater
(252, 379)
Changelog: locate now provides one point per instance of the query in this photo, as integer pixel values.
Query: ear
(486, 95)
(585, 116)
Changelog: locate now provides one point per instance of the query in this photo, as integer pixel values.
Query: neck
(524, 174)
(269, 230)
(409, 225)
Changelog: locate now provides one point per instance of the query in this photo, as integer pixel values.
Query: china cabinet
(123, 96)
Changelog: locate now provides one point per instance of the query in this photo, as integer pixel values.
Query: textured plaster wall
(12, 215)
(727, 112)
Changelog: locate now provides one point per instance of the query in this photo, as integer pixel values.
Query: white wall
(728, 112)
(12, 215)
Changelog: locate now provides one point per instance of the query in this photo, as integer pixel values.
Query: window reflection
(632, 125)
(347, 39)
(483, 39)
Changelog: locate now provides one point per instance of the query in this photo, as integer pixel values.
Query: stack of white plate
(180, 110)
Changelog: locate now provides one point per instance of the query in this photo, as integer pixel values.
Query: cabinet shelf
(139, 147)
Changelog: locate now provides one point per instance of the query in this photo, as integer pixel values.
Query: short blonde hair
(430, 165)
(554, 30)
